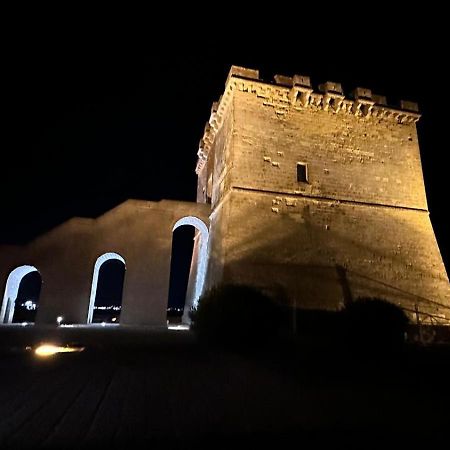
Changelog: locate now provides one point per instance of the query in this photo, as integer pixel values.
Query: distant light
(59, 319)
(103, 324)
(24, 324)
(50, 350)
(113, 319)
(178, 327)
(30, 305)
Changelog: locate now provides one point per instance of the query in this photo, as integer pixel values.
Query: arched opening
(187, 267)
(105, 302)
(21, 297)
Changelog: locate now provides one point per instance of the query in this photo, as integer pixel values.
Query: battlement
(303, 83)
(296, 93)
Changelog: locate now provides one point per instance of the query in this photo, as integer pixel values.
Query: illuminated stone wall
(358, 226)
(139, 231)
(361, 220)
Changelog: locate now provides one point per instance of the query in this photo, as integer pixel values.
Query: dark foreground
(161, 389)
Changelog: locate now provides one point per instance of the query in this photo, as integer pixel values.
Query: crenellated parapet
(295, 93)
(212, 126)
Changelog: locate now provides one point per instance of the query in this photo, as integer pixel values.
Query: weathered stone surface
(358, 226)
(363, 209)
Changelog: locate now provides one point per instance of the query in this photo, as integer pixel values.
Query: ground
(138, 388)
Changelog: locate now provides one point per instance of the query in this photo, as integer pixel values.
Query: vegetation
(241, 316)
(237, 316)
(374, 323)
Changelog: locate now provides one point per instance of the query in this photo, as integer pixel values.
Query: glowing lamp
(45, 350)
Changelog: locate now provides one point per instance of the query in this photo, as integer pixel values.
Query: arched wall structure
(199, 261)
(11, 291)
(100, 261)
(140, 233)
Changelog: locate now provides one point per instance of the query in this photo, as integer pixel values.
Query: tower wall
(359, 223)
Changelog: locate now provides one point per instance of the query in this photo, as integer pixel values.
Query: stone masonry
(139, 231)
(313, 196)
(355, 224)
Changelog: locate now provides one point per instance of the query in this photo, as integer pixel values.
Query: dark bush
(374, 323)
(318, 325)
(236, 315)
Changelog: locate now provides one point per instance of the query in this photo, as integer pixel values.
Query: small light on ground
(103, 324)
(178, 327)
(113, 319)
(24, 324)
(51, 349)
(59, 319)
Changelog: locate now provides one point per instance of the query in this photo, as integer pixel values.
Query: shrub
(236, 315)
(374, 323)
(319, 325)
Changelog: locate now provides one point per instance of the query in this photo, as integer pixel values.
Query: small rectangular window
(302, 172)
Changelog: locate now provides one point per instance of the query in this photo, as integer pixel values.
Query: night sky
(92, 123)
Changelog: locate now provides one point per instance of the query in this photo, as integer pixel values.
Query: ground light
(45, 350)
(178, 327)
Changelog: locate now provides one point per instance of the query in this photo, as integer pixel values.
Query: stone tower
(319, 195)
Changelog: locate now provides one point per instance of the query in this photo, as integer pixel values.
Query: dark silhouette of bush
(374, 323)
(236, 315)
(320, 326)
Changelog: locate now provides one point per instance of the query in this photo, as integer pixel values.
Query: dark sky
(90, 123)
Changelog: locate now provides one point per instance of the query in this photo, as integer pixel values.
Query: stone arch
(11, 290)
(98, 263)
(201, 263)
